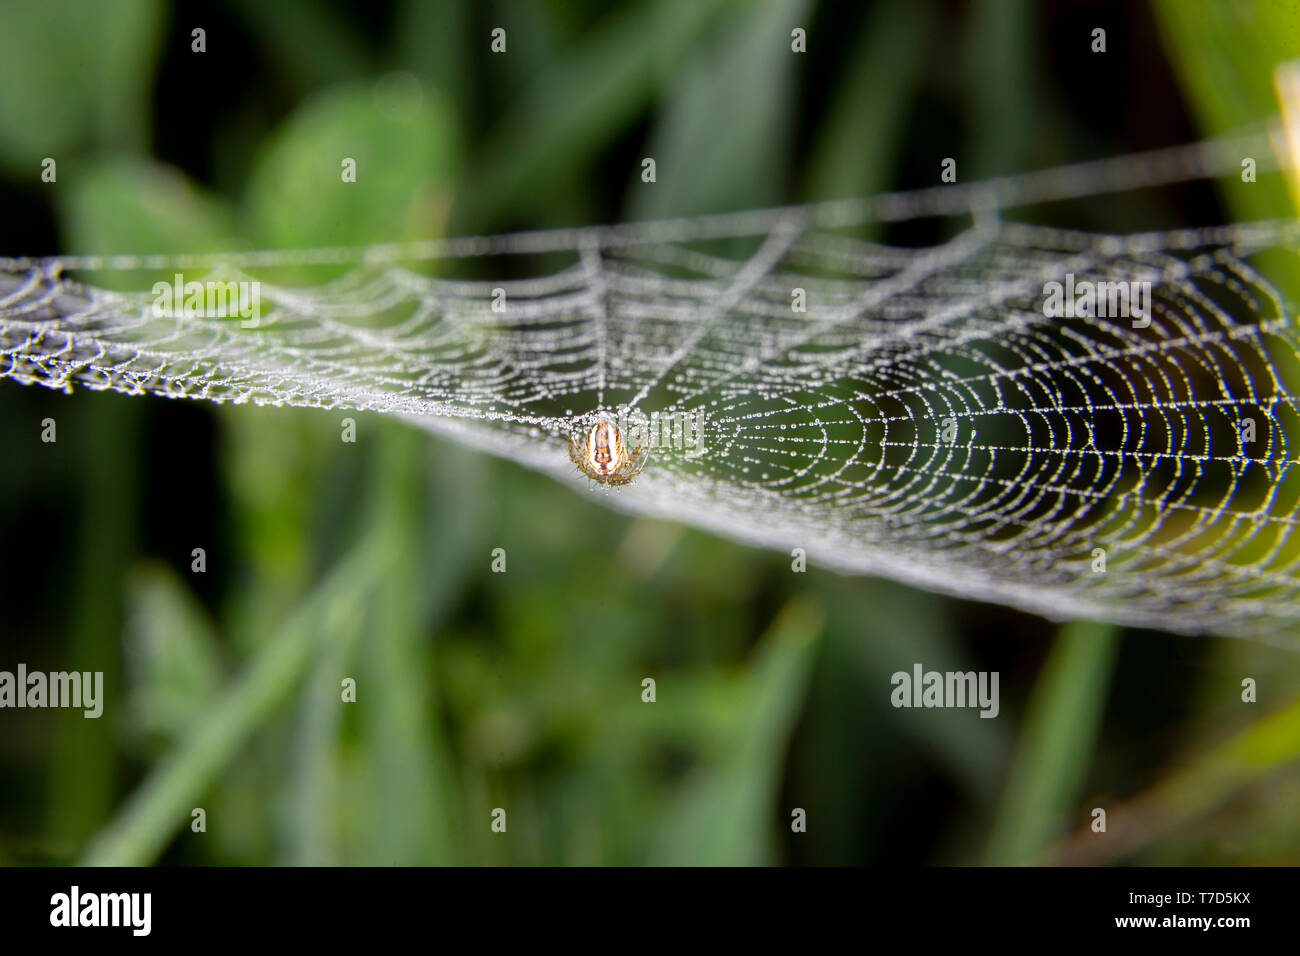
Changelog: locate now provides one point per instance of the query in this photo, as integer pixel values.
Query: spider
(602, 453)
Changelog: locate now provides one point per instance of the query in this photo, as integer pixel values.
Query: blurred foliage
(75, 76)
(371, 560)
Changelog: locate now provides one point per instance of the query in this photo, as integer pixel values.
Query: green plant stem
(1060, 732)
(165, 800)
(1200, 786)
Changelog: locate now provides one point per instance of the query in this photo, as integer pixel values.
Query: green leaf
(1203, 782)
(80, 791)
(592, 94)
(311, 824)
(400, 138)
(1225, 55)
(859, 140)
(73, 74)
(125, 204)
(723, 138)
(308, 43)
(726, 814)
(1003, 121)
(889, 629)
(161, 805)
(173, 663)
(406, 759)
(433, 42)
(1060, 731)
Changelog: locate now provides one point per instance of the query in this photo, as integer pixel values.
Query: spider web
(921, 418)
